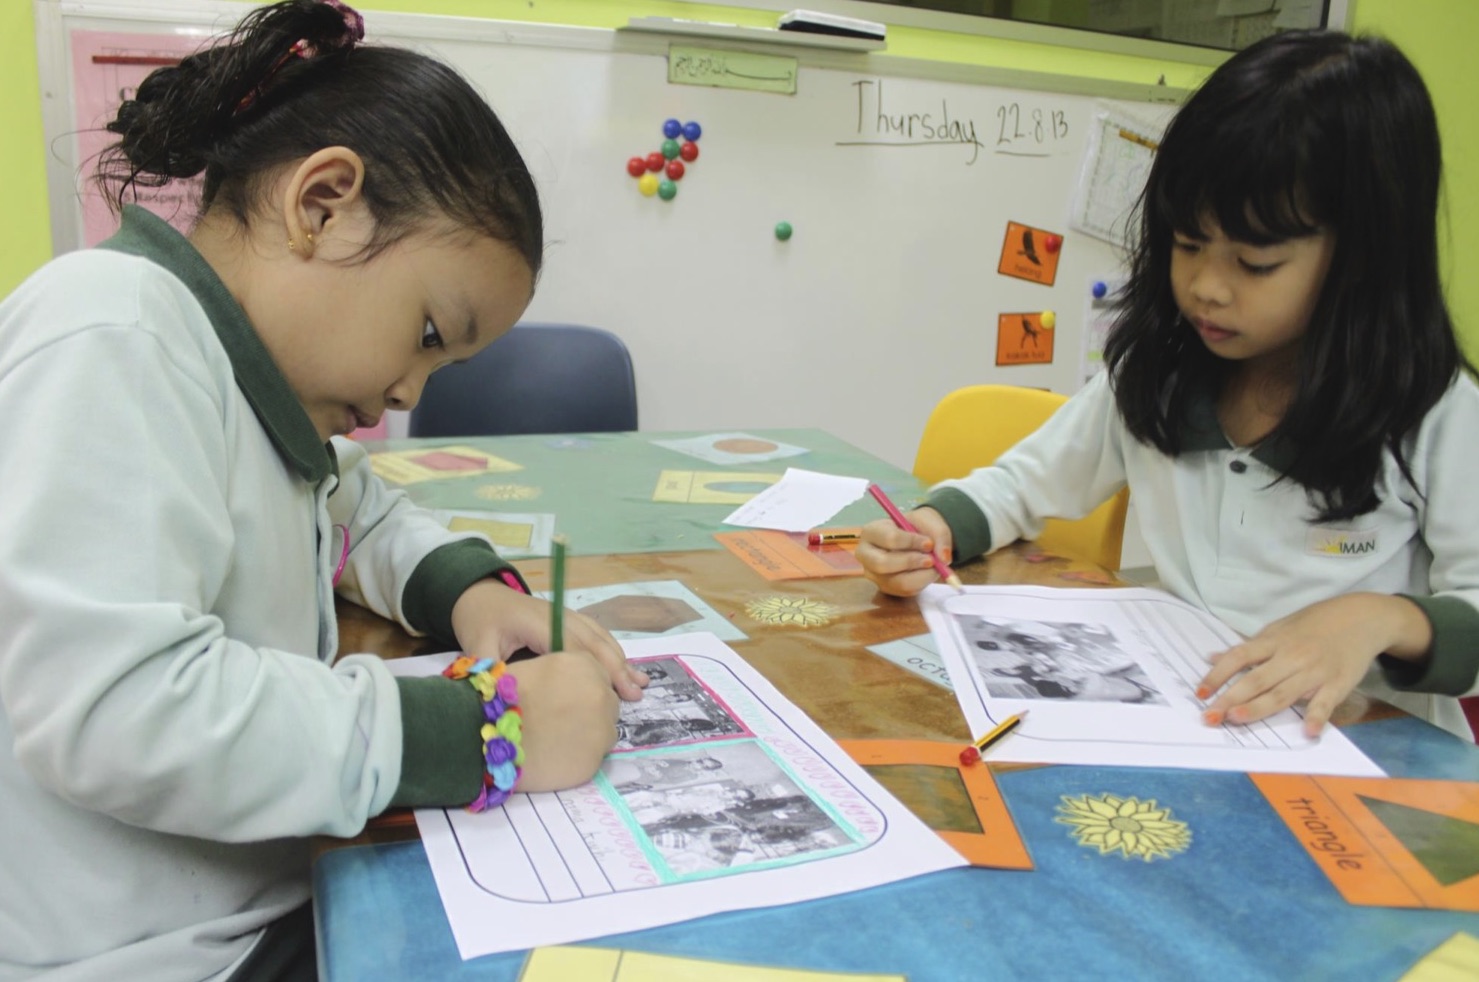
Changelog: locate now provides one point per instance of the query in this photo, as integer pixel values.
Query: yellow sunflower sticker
(795, 611)
(1138, 829)
(507, 492)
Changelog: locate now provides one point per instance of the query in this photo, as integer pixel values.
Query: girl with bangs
(1285, 397)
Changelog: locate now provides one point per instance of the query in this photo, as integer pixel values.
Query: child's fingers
(587, 635)
(1226, 664)
(886, 536)
(1261, 699)
(1318, 711)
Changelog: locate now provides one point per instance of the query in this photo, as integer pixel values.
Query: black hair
(243, 107)
(1302, 131)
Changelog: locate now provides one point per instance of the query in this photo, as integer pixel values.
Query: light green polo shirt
(1225, 535)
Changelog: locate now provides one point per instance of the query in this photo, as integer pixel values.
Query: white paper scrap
(801, 500)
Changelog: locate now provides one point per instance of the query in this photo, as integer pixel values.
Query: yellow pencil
(1150, 145)
(1000, 730)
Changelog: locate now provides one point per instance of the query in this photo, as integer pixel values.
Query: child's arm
(1064, 469)
(900, 562)
(1320, 653)
(493, 621)
(1424, 641)
(453, 586)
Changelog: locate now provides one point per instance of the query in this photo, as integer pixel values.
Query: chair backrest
(972, 426)
(537, 378)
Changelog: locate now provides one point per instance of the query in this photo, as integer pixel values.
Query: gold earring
(309, 237)
(292, 246)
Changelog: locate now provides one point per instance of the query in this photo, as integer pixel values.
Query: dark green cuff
(441, 745)
(970, 532)
(1453, 662)
(441, 578)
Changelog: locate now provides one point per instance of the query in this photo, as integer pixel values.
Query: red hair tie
(354, 32)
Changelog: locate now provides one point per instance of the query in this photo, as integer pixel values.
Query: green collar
(1201, 431)
(142, 233)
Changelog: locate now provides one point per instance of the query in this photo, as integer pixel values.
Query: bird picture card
(1030, 254)
(1023, 339)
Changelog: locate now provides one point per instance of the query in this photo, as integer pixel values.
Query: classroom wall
(25, 233)
(1437, 35)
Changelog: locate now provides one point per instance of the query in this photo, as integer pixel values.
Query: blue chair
(537, 378)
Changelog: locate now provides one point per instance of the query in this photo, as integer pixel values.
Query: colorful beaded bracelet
(503, 731)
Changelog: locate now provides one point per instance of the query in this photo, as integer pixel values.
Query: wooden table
(378, 910)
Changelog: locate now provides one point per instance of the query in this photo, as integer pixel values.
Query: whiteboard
(885, 298)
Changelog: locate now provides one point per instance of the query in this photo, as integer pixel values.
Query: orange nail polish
(1203, 692)
(1212, 717)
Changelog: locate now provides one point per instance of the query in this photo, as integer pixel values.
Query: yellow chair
(971, 427)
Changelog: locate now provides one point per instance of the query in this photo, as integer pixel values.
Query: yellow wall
(1439, 37)
(25, 231)
(1436, 34)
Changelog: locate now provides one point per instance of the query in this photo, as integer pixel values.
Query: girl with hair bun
(179, 510)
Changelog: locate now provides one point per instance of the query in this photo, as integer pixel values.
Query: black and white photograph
(1022, 659)
(721, 807)
(674, 709)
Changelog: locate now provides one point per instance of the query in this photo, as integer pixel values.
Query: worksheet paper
(799, 501)
(720, 795)
(1109, 677)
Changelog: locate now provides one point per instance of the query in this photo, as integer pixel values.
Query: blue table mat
(1241, 901)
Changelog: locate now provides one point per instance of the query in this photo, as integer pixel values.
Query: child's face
(361, 337)
(1249, 302)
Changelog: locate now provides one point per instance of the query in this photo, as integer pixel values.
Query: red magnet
(636, 167)
(655, 161)
(970, 755)
(675, 169)
(1053, 243)
(689, 151)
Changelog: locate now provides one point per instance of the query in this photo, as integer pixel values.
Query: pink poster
(107, 68)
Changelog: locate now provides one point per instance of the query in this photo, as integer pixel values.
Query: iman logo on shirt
(1341, 542)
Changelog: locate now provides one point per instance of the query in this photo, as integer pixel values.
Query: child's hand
(1318, 654)
(570, 715)
(492, 620)
(898, 561)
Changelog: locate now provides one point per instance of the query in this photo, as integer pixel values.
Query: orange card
(786, 556)
(997, 844)
(1030, 254)
(1021, 339)
(1386, 842)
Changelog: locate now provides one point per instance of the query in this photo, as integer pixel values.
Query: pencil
(557, 597)
(1150, 145)
(946, 573)
(823, 536)
(1000, 730)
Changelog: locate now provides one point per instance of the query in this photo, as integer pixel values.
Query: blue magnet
(692, 131)
(671, 128)
(1099, 290)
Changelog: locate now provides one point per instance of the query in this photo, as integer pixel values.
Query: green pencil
(557, 599)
